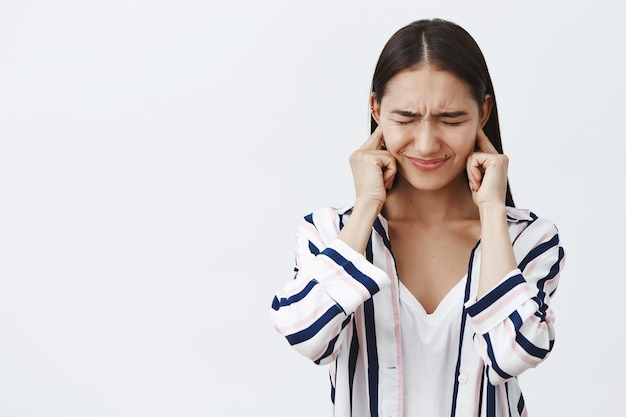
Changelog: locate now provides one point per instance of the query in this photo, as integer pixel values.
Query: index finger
(483, 142)
(374, 142)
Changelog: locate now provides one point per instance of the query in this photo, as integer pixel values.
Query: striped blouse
(342, 309)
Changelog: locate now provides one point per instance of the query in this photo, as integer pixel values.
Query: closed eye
(452, 118)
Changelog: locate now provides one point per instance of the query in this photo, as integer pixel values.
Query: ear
(374, 108)
(485, 110)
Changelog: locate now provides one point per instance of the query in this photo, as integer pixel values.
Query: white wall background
(156, 157)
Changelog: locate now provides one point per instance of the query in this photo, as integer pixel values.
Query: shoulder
(527, 226)
(326, 222)
(526, 216)
(327, 214)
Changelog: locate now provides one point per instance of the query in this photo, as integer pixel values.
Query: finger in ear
(374, 108)
(485, 111)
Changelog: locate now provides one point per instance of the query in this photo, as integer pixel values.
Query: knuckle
(355, 156)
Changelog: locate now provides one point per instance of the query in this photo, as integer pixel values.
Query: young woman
(431, 293)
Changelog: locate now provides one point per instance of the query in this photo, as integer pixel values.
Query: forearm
(357, 230)
(497, 257)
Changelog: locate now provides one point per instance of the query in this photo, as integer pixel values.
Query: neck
(453, 202)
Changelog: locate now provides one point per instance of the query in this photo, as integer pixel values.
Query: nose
(426, 138)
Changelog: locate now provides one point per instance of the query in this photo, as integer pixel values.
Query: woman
(431, 293)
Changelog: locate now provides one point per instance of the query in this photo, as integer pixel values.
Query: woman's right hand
(373, 170)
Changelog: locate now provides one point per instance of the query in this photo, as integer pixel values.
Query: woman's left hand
(487, 172)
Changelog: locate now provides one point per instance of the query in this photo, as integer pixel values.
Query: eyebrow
(446, 114)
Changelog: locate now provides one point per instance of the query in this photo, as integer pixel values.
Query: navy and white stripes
(342, 309)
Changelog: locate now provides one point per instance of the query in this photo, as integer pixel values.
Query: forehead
(427, 87)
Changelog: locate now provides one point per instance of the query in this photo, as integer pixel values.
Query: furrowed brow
(405, 113)
(446, 114)
(451, 114)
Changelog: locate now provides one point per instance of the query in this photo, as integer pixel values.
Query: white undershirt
(430, 344)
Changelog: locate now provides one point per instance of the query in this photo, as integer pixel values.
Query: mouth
(428, 164)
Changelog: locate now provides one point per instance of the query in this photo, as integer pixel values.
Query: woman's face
(429, 122)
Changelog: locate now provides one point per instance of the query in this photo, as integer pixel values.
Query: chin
(428, 185)
(433, 183)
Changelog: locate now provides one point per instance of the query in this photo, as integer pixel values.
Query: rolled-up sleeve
(332, 280)
(514, 322)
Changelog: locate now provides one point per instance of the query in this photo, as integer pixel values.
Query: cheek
(464, 141)
(395, 136)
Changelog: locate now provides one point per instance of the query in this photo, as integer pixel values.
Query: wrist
(492, 210)
(367, 207)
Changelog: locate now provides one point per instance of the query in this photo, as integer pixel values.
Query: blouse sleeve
(332, 280)
(514, 323)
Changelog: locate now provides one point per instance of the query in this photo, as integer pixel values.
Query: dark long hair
(448, 47)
